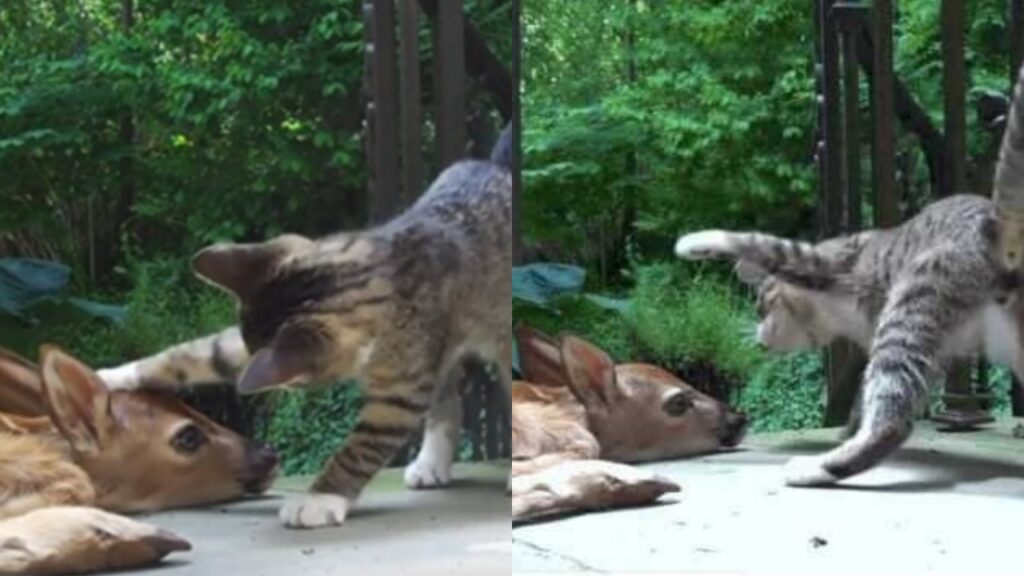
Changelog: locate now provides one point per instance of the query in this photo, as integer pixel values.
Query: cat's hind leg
(919, 311)
(432, 467)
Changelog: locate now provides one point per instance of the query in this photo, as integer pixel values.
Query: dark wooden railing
(395, 128)
(852, 38)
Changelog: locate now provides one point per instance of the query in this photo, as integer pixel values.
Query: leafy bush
(676, 317)
(785, 393)
(166, 305)
(307, 426)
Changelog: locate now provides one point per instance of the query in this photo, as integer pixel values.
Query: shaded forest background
(134, 133)
(645, 119)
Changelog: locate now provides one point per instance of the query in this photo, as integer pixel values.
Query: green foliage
(679, 318)
(241, 112)
(664, 116)
(1000, 381)
(308, 426)
(785, 393)
(162, 309)
(124, 150)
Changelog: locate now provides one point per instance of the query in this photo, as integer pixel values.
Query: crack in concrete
(577, 564)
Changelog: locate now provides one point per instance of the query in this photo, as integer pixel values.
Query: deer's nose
(262, 465)
(735, 427)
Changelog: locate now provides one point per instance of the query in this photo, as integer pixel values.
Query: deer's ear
(78, 401)
(540, 358)
(240, 268)
(21, 391)
(591, 372)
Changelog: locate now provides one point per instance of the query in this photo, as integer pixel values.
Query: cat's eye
(677, 404)
(189, 439)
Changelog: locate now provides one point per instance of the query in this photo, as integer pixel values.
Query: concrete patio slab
(948, 503)
(463, 530)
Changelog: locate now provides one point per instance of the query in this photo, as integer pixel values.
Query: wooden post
(845, 362)
(1016, 33)
(850, 21)
(450, 73)
(382, 111)
(517, 179)
(887, 202)
(838, 357)
(411, 107)
(954, 86)
(126, 168)
(831, 195)
(961, 405)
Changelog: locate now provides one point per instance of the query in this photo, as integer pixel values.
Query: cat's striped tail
(1008, 191)
(767, 254)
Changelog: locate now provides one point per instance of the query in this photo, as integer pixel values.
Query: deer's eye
(189, 439)
(677, 404)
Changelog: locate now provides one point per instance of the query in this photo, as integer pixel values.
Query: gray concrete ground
(948, 503)
(463, 530)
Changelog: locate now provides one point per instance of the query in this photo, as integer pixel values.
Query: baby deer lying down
(578, 417)
(69, 449)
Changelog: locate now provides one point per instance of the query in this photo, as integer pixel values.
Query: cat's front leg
(215, 359)
(390, 415)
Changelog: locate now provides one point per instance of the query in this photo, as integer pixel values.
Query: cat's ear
(239, 268)
(750, 273)
(77, 400)
(290, 360)
(591, 373)
(540, 357)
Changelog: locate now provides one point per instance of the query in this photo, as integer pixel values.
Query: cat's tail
(1008, 191)
(503, 152)
(762, 254)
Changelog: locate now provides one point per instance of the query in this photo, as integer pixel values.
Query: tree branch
(910, 114)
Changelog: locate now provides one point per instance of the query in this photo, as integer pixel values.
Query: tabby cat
(944, 284)
(400, 307)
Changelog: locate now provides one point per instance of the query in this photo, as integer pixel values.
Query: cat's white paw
(125, 377)
(808, 471)
(314, 511)
(703, 245)
(428, 472)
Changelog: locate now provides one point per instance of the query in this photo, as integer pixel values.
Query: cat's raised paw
(426, 473)
(125, 377)
(314, 511)
(703, 245)
(808, 471)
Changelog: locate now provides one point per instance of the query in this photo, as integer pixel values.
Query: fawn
(578, 417)
(66, 442)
